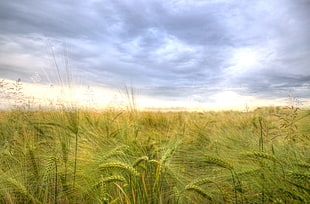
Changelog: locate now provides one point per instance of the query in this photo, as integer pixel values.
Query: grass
(76, 156)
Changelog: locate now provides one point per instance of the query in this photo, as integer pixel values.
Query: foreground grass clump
(77, 156)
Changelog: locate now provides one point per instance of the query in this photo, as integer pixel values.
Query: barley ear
(22, 189)
(113, 179)
(218, 162)
(120, 166)
(262, 155)
(303, 164)
(300, 176)
(139, 160)
(48, 168)
(201, 181)
(198, 190)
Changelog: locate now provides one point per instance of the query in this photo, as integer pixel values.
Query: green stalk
(75, 159)
(261, 139)
(56, 181)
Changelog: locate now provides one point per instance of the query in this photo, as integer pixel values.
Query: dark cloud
(168, 49)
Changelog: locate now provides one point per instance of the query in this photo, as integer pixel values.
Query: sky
(174, 53)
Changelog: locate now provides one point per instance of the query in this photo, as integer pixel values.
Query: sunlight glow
(243, 60)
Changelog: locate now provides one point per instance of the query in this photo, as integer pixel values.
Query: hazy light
(243, 60)
(246, 58)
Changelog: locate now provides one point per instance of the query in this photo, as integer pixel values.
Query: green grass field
(115, 156)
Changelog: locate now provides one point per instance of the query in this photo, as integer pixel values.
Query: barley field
(117, 156)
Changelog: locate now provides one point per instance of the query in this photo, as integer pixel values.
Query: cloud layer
(166, 49)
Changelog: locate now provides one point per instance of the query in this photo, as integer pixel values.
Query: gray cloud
(168, 49)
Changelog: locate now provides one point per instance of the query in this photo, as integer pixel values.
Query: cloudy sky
(173, 52)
